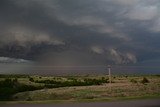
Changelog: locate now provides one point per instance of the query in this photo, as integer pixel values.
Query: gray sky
(80, 32)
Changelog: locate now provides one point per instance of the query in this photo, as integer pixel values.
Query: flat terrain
(137, 103)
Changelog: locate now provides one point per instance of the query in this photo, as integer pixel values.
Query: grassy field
(86, 88)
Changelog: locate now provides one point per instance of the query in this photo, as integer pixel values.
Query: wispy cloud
(13, 60)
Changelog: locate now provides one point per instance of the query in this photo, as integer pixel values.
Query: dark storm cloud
(106, 31)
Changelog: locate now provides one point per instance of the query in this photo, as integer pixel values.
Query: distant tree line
(74, 82)
(13, 76)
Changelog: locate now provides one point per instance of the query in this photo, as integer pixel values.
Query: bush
(133, 81)
(126, 76)
(31, 79)
(144, 80)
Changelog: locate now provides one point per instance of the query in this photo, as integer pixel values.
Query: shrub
(133, 81)
(126, 76)
(144, 80)
(31, 79)
(15, 80)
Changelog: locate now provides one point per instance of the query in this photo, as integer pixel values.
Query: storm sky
(80, 32)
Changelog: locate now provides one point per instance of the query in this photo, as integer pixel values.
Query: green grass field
(83, 88)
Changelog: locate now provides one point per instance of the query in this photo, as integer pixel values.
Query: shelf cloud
(99, 31)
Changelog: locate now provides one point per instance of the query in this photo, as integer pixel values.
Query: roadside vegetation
(9, 87)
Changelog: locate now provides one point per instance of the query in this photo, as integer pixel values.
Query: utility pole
(109, 73)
